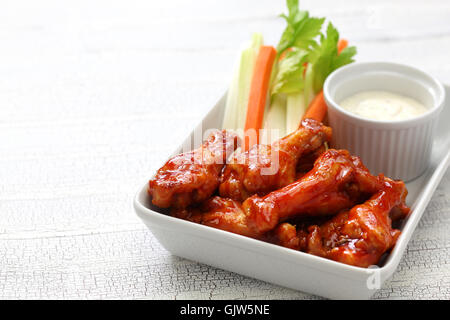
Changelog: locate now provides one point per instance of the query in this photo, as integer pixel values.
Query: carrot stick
(318, 108)
(258, 95)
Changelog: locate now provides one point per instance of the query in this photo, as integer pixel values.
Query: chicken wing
(289, 236)
(220, 213)
(306, 162)
(192, 177)
(363, 234)
(337, 181)
(265, 168)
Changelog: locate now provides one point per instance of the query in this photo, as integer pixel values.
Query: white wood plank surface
(94, 94)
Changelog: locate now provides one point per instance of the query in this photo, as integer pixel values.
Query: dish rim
(260, 246)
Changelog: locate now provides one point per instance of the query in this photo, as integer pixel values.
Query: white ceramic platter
(286, 267)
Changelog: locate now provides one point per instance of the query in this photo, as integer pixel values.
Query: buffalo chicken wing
(192, 177)
(221, 213)
(336, 182)
(363, 234)
(265, 168)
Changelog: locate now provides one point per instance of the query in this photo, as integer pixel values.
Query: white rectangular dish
(287, 267)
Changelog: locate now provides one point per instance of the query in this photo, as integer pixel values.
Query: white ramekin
(400, 149)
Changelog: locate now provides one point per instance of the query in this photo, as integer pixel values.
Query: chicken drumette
(221, 213)
(363, 234)
(265, 168)
(192, 177)
(337, 181)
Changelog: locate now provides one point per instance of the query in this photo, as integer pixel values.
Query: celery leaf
(289, 78)
(325, 58)
(301, 29)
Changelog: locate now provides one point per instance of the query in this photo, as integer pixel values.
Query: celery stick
(230, 116)
(275, 120)
(248, 61)
(309, 90)
(295, 109)
(238, 93)
(245, 78)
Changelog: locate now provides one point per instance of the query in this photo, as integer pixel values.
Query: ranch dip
(382, 105)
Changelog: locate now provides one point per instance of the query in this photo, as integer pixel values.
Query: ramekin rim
(436, 108)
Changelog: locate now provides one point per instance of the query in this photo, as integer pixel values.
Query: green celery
(275, 119)
(295, 109)
(237, 97)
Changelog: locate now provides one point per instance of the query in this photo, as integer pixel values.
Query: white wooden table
(94, 94)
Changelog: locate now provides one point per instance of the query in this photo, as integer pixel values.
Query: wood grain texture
(95, 94)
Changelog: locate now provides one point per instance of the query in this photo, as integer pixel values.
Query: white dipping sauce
(383, 105)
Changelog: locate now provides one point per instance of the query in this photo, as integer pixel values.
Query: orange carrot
(318, 108)
(258, 95)
(342, 44)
